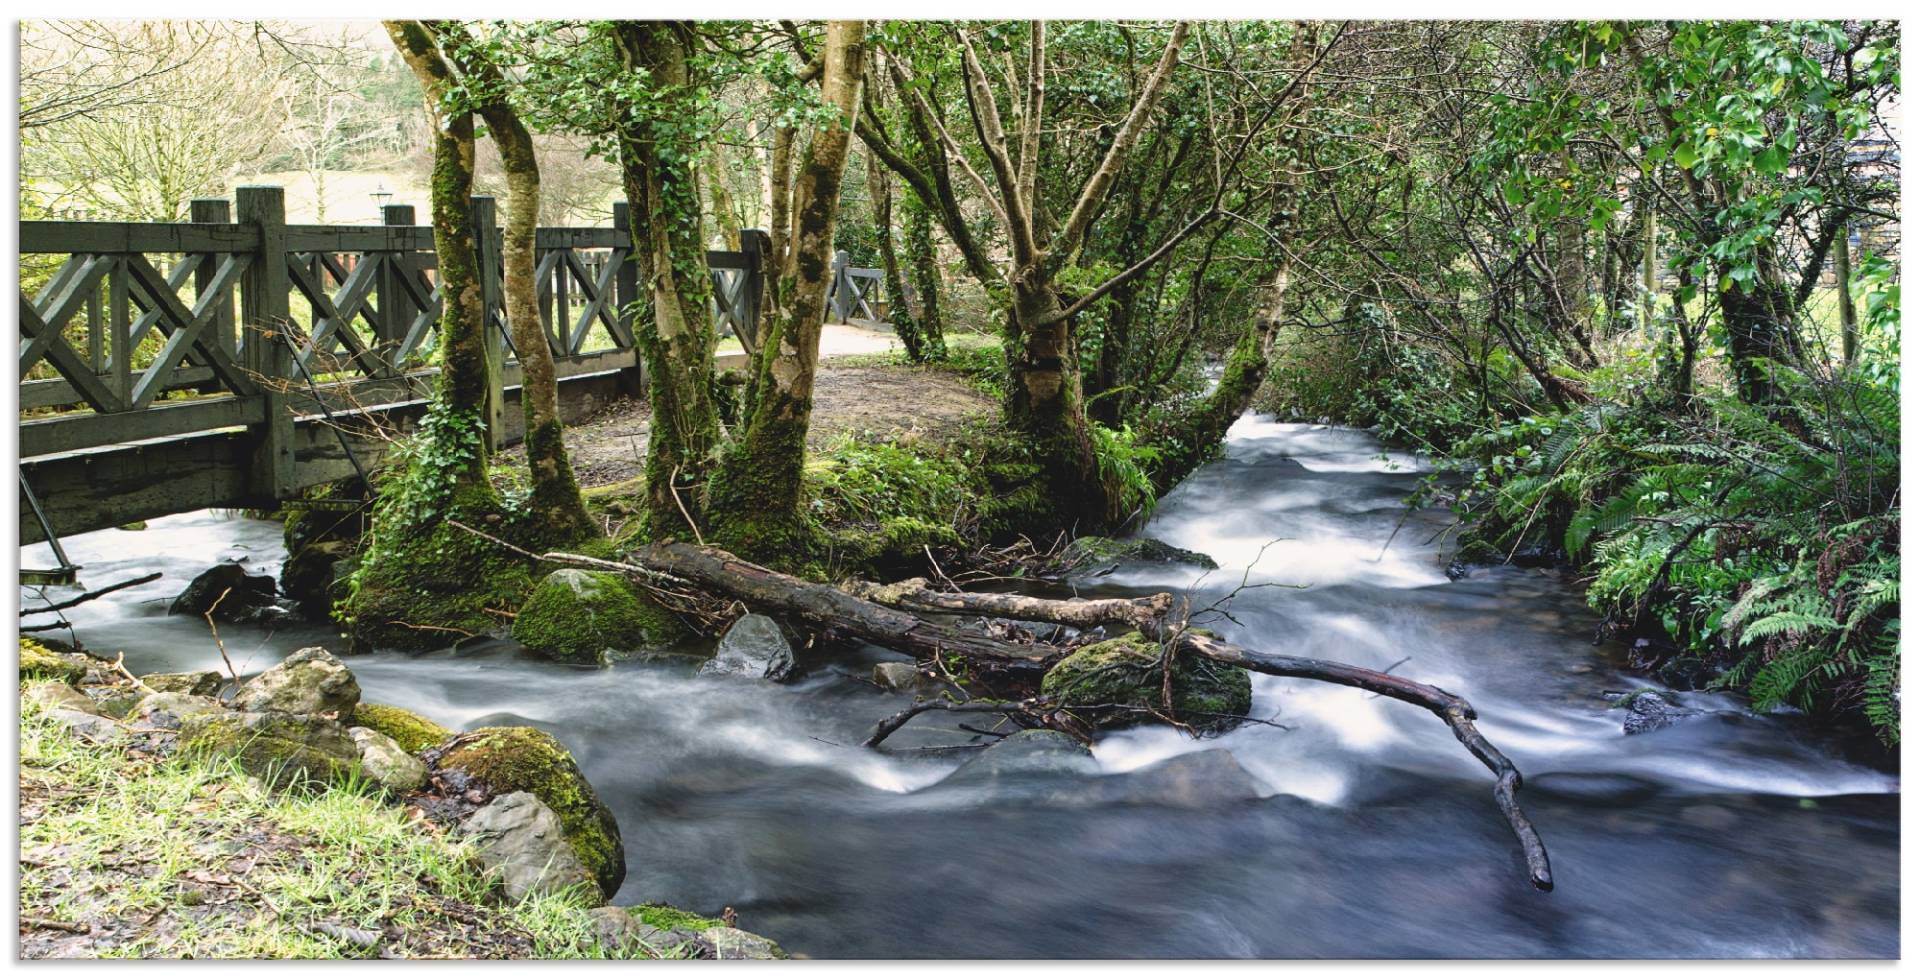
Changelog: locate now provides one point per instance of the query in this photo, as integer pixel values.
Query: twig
(120, 664)
(89, 596)
(52, 925)
(231, 672)
(674, 490)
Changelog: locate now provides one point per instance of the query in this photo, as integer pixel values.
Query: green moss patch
(37, 662)
(575, 614)
(411, 731)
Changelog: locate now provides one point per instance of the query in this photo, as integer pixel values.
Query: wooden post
(758, 246)
(626, 293)
(486, 254)
(1843, 280)
(396, 308)
(265, 351)
(213, 210)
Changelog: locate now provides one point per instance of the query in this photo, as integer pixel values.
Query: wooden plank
(94, 490)
(120, 238)
(59, 393)
(265, 316)
(558, 238)
(88, 430)
(93, 389)
(191, 325)
(356, 238)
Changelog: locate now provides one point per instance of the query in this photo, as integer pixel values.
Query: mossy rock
(283, 749)
(425, 590)
(525, 759)
(1125, 671)
(37, 662)
(413, 732)
(1091, 550)
(893, 546)
(574, 615)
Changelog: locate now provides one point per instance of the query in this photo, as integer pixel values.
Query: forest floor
(869, 395)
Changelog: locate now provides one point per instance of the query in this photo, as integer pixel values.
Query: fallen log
(891, 616)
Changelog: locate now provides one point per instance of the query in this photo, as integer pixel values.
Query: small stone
(92, 727)
(386, 762)
(898, 677)
(200, 683)
(60, 696)
(519, 838)
(753, 647)
(311, 681)
(734, 944)
(168, 710)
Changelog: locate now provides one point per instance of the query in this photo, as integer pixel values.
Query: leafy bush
(1763, 542)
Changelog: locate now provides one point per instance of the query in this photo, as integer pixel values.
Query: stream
(1359, 829)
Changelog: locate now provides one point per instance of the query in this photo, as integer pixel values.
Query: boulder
(575, 616)
(248, 596)
(753, 647)
(115, 700)
(37, 662)
(168, 710)
(525, 759)
(1126, 671)
(311, 681)
(734, 944)
(1091, 551)
(312, 577)
(200, 683)
(412, 732)
(321, 534)
(521, 839)
(281, 749)
(386, 762)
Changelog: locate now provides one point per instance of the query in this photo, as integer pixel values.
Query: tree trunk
(756, 497)
(1045, 407)
(659, 156)
(559, 511)
(1843, 280)
(457, 423)
(899, 313)
(926, 274)
(1198, 434)
(1758, 338)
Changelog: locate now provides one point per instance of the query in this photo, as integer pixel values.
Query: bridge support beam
(267, 350)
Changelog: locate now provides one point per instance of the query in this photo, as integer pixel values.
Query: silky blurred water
(1373, 833)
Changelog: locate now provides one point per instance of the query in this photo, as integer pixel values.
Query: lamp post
(381, 195)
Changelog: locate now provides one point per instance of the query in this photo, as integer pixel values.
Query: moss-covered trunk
(899, 312)
(659, 153)
(559, 513)
(1759, 338)
(755, 501)
(1199, 434)
(1045, 406)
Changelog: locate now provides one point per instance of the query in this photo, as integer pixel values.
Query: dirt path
(849, 398)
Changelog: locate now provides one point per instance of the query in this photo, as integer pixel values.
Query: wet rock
(1088, 552)
(1125, 671)
(1459, 570)
(576, 616)
(312, 576)
(521, 839)
(168, 710)
(249, 597)
(1605, 788)
(201, 683)
(311, 681)
(753, 647)
(412, 732)
(281, 749)
(900, 677)
(115, 701)
(1649, 710)
(525, 759)
(386, 762)
(1191, 781)
(1036, 752)
(321, 535)
(732, 944)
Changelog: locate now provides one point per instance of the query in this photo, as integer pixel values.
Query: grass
(186, 857)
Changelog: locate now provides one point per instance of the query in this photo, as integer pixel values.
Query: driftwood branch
(914, 595)
(897, 721)
(90, 596)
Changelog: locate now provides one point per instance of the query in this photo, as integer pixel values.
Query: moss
(413, 732)
(574, 614)
(37, 662)
(667, 918)
(430, 587)
(525, 759)
(754, 497)
(283, 749)
(1125, 671)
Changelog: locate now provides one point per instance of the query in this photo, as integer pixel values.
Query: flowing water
(1366, 830)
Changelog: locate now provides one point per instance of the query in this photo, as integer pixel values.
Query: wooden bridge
(235, 360)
